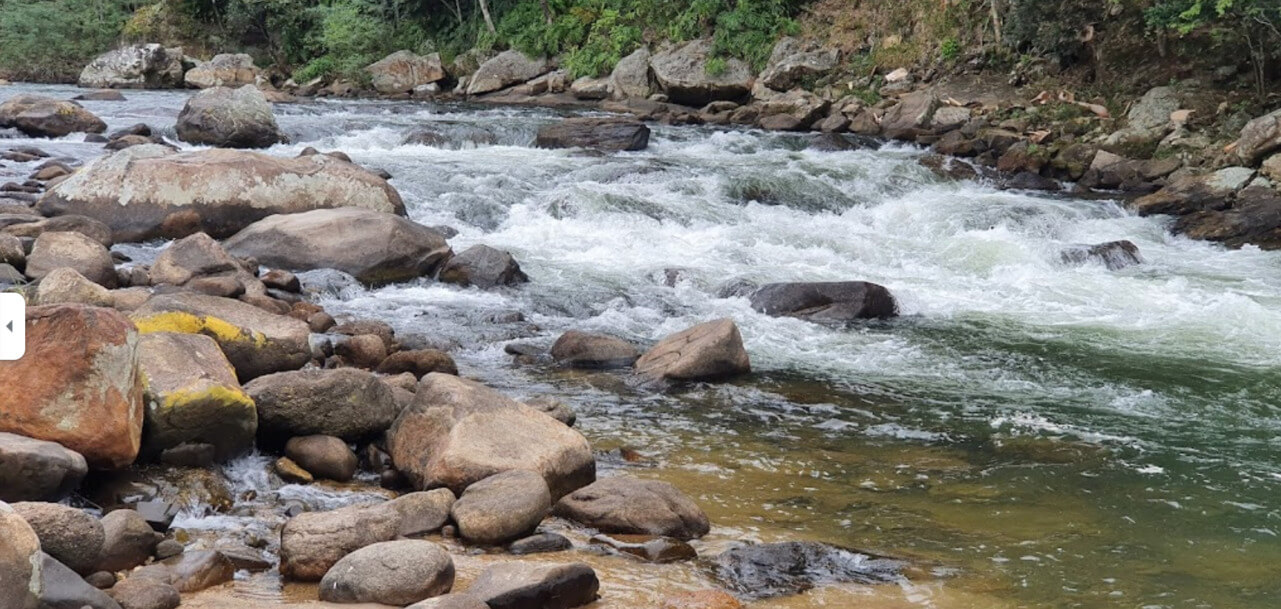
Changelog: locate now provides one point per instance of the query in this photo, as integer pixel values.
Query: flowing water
(1033, 434)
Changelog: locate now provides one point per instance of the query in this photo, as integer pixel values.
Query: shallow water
(1034, 434)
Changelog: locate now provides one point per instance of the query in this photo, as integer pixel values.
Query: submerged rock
(780, 569)
(1115, 255)
(633, 506)
(80, 385)
(611, 134)
(836, 301)
(515, 585)
(709, 351)
(458, 432)
(649, 548)
(701, 599)
(375, 247)
(391, 573)
(36, 470)
(150, 191)
(540, 544)
(229, 118)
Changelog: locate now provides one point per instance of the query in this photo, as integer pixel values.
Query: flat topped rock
(613, 134)
(780, 569)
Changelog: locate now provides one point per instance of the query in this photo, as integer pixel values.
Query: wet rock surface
(780, 569)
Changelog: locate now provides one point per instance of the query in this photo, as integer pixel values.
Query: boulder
(256, 342)
(420, 363)
(1147, 122)
(589, 88)
(779, 569)
(1259, 138)
(147, 192)
(192, 256)
(140, 66)
(803, 107)
(586, 350)
(70, 223)
(41, 116)
(1190, 194)
(128, 541)
(35, 470)
(1115, 255)
(291, 472)
(375, 247)
(404, 71)
(11, 251)
(391, 573)
(630, 77)
(193, 396)
(611, 134)
(313, 542)
(792, 62)
(229, 118)
(649, 548)
(75, 251)
(80, 384)
(323, 456)
(630, 505)
(20, 561)
(458, 432)
(362, 351)
(145, 593)
(504, 70)
(224, 70)
(518, 585)
(62, 588)
(1107, 170)
(1254, 218)
(484, 267)
(346, 403)
(65, 286)
(949, 118)
(681, 73)
(502, 508)
(911, 117)
(836, 301)
(70, 535)
(708, 351)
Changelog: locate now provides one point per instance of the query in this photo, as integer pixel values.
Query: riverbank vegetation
(1103, 40)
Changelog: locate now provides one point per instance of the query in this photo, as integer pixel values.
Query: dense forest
(52, 39)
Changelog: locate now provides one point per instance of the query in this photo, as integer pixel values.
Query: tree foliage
(51, 40)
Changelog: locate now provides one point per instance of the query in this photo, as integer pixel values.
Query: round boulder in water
(229, 118)
(392, 573)
(502, 507)
(833, 301)
(587, 350)
(630, 505)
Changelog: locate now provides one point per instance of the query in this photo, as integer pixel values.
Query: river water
(1034, 434)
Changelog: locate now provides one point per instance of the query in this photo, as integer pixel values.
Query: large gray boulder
(313, 542)
(229, 118)
(35, 470)
(128, 541)
(609, 134)
(62, 588)
(20, 560)
(140, 66)
(833, 301)
(1147, 121)
(484, 267)
(68, 534)
(256, 342)
(681, 73)
(192, 256)
(792, 61)
(150, 191)
(631, 505)
(630, 77)
(402, 71)
(391, 573)
(504, 70)
(374, 247)
(193, 396)
(224, 70)
(346, 403)
(706, 352)
(519, 585)
(42, 116)
(458, 432)
(1259, 138)
(502, 508)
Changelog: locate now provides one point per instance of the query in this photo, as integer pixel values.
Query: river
(1036, 434)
